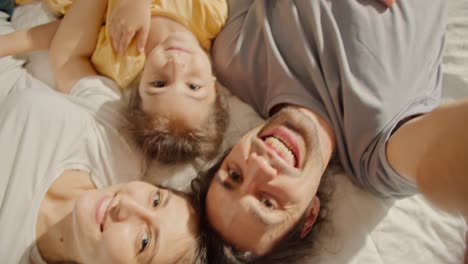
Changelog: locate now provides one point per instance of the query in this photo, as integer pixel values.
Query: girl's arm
(30, 39)
(75, 41)
(432, 150)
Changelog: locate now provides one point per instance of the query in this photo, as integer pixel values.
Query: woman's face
(133, 223)
(177, 81)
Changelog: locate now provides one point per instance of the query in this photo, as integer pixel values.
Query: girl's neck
(54, 227)
(161, 27)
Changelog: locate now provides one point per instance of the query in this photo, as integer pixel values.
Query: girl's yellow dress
(204, 18)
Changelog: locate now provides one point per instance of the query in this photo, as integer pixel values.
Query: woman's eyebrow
(155, 249)
(166, 201)
(168, 198)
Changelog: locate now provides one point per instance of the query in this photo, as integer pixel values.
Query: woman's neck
(161, 27)
(54, 228)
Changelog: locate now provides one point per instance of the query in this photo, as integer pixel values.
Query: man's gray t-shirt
(362, 67)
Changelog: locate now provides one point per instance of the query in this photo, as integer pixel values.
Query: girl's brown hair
(169, 141)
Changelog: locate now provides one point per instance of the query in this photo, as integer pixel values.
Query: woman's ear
(311, 215)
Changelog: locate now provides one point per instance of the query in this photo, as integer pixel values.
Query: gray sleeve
(395, 60)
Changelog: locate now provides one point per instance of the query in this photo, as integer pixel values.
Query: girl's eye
(158, 84)
(235, 176)
(144, 243)
(157, 199)
(193, 86)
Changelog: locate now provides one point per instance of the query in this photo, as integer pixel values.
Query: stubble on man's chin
(293, 118)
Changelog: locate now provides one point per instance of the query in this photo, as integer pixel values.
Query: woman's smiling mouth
(102, 211)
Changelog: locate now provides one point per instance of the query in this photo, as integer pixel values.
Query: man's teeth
(283, 149)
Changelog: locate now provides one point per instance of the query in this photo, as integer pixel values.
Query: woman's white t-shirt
(43, 133)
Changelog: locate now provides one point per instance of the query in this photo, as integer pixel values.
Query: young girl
(175, 113)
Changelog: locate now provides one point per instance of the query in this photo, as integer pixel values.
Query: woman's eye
(193, 86)
(158, 84)
(157, 199)
(144, 243)
(235, 176)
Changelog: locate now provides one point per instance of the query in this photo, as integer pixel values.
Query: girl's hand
(129, 19)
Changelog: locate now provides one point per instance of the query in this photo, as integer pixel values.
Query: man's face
(267, 182)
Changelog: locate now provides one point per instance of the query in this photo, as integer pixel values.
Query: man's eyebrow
(224, 184)
(260, 216)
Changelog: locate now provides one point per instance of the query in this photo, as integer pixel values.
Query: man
(341, 76)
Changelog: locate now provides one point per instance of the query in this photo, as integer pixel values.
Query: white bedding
(365, 228)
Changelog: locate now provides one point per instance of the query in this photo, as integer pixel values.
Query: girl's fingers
(125, 41)
(141, 38)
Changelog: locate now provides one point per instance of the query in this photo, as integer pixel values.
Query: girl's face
(177, 81)
(133, 223)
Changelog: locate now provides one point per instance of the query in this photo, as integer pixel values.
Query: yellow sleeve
(204, 18)
(24, 2)
(21, 2)
(122, 69)
(57, 6)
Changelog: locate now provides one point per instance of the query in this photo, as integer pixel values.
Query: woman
(60, 165)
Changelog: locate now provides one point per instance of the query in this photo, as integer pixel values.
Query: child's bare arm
(30, 39)
(75, 41)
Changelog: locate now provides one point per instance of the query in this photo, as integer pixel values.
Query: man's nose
(259, 171)
(128, 208)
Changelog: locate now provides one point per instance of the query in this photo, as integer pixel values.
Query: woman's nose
(128, 208)
(259, 171)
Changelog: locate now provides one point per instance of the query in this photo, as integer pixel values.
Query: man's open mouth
(284, 145)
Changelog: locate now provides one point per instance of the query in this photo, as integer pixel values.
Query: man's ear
(311, 215)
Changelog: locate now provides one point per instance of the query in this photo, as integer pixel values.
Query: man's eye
(144, 243)
(158, 84)
(235, 176)
(193, 86)
(268, 203)
(157, 199)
